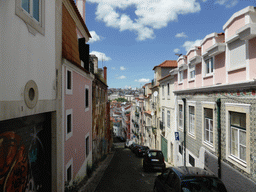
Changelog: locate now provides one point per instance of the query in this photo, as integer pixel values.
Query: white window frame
(180, 115)
(70, 134)
(33, 25)
(163, 116)
(70, 163)
(69, 91)
(239, 108)
(211, 66)
(86, 87)
(191, 68)
(168, 119)
(180, 77)
(192, 119)
(209, 105)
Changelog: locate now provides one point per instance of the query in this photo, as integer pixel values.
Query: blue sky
(133, 36)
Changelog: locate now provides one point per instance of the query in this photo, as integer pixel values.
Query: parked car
(154, 160)
(135, 148)
(128, 143)
(141, 151)
(188, 179)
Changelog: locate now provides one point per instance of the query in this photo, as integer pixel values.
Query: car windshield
(155, 154)
(202, 184)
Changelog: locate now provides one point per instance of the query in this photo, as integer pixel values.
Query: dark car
(135, 148)
(141, 151)
(188, 179)
(154, 160)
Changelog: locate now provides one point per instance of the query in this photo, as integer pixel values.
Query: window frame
(212, 106)
(211, 66)
(191, 68)
(180, 116)
(208, 130)
(242, 65)
(239, 108)
(87, 146)
(69, 164)
(180, 77)
(69, 91)
(69, 112)
(87, 98)
(163, 116)
(190, 130)
(34, 26)
(163, 93)
(168, 119)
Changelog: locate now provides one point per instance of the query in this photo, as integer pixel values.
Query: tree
(121, 100)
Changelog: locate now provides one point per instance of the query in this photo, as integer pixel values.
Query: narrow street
(125, 173)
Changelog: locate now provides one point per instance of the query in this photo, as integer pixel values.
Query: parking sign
(177, 136)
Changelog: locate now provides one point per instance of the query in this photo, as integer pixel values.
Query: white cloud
(150, 15)
(143, 80)
(94, 38)
(101, 56)
(176, 50)
(136, 80)
(113, 68)
(121, 77)
(122, 68)
(179, 35)
(189, 44)
(227, 3)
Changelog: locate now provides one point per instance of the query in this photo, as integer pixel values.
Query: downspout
(184, 123)
(218, 102)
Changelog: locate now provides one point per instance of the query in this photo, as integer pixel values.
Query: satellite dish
(152, 113)
(155, 93)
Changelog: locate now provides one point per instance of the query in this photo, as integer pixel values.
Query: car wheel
(155, 189)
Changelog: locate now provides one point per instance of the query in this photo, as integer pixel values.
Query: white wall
(24, 56)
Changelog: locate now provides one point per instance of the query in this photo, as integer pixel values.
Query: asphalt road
(125, 173)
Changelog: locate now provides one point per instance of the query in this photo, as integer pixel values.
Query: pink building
(76, 93)
(216, 103)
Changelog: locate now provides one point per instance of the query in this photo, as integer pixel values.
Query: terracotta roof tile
(167, 63)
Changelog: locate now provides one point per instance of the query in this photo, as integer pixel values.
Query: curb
(93, 182)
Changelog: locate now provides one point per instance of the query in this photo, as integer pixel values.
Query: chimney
(81, 7)
(105, 74)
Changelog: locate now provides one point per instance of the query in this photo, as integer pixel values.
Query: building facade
(215, 92)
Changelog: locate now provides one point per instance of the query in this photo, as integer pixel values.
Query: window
(192, 120)
(180, 116)
(191, 72)
(69, 171)
(208, 125)
(191, 160)
(68, 82)
(163, 117)
(168, 89)
(180, 149)
(180, 76)
(87, 145)
(237, 54)
(69, 124)
(168, 119)
(209, 66)
(163, 91)
(86, 95)
(69, 174)
(32, 13)
(238, 135)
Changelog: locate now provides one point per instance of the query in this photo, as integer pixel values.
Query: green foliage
(121, 100)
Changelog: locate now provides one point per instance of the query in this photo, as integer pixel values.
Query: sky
(130, 37)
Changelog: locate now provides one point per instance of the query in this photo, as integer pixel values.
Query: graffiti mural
(13, 163)
(24, 161)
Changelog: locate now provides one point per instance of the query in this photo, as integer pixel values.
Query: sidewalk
(93, 182)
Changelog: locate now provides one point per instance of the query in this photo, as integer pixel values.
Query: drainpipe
(218, 102)
(184, 123)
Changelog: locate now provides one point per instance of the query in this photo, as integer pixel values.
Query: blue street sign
(177, 136)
